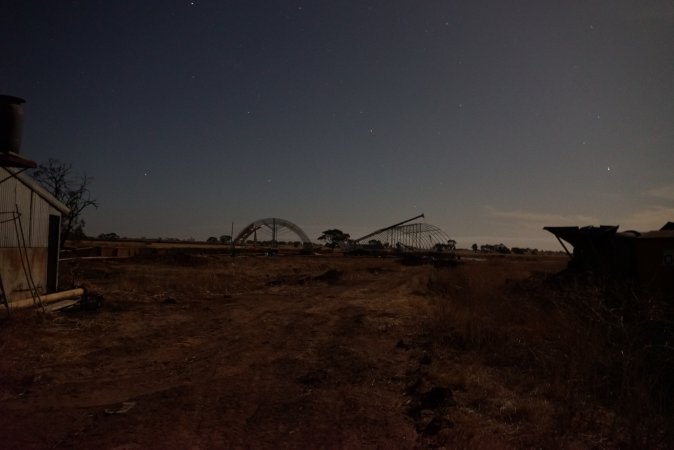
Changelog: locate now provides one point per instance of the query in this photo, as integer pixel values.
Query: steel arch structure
(413, 236)
(405, 237)
(273, 224)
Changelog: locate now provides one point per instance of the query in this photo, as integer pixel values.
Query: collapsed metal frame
(406, 236)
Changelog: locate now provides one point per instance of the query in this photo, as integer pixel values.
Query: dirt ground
(197, 352)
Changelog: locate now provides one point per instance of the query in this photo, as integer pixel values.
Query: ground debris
(124, 408)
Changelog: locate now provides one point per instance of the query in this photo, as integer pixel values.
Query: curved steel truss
(406, 236)
(272, 225)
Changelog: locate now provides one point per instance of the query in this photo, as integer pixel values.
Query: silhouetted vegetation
(449, 247)
(108, 236)
(497, 248)
(334, 237)
(71, 189)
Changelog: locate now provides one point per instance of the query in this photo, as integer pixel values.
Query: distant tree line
(449, 247)
(108, 236)
(494, 248)
(224, 239)
(503, 249)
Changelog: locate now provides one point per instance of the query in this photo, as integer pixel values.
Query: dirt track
(219, 352)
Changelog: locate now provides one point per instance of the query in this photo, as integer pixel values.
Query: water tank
(11, 123)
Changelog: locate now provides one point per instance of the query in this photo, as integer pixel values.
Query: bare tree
(71, 189)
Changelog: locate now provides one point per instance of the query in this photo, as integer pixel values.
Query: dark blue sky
(494, 118)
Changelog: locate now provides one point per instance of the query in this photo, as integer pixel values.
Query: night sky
(493, 118)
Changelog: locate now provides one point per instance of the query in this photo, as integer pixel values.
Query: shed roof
(11, 159)
(36, 187)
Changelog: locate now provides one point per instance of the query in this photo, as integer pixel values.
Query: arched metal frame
(409, 237)
(405, 237)
(275, 225)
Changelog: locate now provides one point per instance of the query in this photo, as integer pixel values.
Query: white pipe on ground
(47, 298)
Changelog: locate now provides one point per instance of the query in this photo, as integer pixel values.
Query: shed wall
(33, 216)
(32, 221)
(13, 276)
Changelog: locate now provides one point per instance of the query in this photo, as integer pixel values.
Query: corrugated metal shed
(30, 220)
(34, 204)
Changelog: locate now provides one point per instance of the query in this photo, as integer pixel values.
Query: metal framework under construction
(406, 236)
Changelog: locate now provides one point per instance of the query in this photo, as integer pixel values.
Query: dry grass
(173, 275)
(576, 359)
(523, 358)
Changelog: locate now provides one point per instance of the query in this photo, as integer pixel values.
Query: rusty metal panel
(7, 234)
(39, 222)
(8, 198)
(12, 273)
(14, 194)
(24, 197)
(34, 213)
